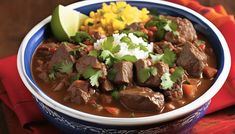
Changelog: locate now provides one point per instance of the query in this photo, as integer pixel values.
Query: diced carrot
(220, 9)
(209, 72)
(189, 90)
(113, 110)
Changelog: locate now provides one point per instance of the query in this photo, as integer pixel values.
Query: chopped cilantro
(136, 33)
(94, 79)
(130, 58)
(52, 75)
(156, 57)
(169, 57)
(111, 74)
(90, 24)
(109, 45)
(93, 75)
(142, 47)
(163, 25)
(81, 36)
(166, 83)
(94, 53)
(66, 67)
(179, 71)
(115, 94)
(145, 73)
(89, 72)
(75, 77)
(119, 18)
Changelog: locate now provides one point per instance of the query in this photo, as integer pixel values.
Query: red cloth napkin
(20, 101)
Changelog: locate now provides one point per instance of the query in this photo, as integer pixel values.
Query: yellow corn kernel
(121, 4)
(92, 14)
(118, 25)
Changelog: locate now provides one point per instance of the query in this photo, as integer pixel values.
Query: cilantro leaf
(93, 75)
(145, 73)
(75, 77)
(179, 71)
(119, 18)
(130, 58)
(153, 71)
(66, 67)
(105, 54)
(52, 75)
(81, 36)
(169, 57)
(94, 53)
(115, 94)
(89, 72)
(94, 78)
(166, 83)
(156, 57)
(111, 74)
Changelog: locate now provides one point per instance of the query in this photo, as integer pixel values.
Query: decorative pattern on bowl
(182, 125)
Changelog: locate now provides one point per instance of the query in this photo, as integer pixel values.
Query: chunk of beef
(61, 55)
(175, 93)
(141, 99)
(184, 28)
(106, 85)
(105, 99)
(62, 84)
(89, 61)
(159, 47)
(153, 80)
(123, 72)
(46, 50)
(79, 92)
(192, 59)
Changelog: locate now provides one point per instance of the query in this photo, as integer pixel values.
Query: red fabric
(20, 101)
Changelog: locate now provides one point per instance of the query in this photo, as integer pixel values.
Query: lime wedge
(65, 22)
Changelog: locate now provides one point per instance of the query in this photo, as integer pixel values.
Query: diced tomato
(189, 90)
(209, 72)
(150, 34)
(145, 30)
(153, 28)
(202, 46)
(113, 110)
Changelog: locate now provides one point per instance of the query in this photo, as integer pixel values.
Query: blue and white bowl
(180, 120)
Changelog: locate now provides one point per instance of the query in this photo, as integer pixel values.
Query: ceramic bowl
(180, 120)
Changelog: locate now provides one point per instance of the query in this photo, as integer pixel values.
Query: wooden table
(18, 17)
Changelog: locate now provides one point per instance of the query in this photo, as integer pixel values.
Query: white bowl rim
(126, 121)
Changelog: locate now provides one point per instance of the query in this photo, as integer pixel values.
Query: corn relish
(113, 18)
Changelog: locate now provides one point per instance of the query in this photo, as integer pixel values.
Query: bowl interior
(43, 32)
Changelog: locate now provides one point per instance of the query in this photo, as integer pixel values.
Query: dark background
(17, 17)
